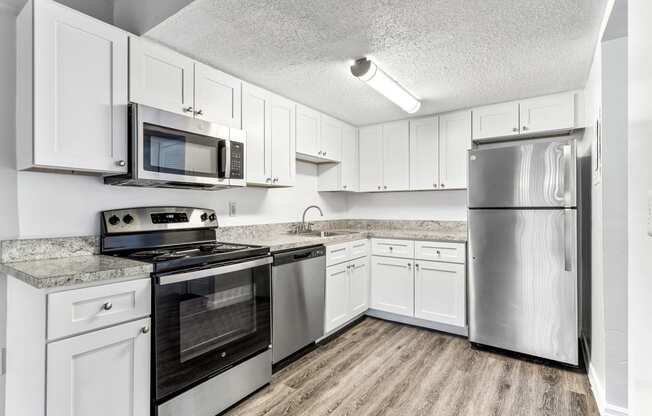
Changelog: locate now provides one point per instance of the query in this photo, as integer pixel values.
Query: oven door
(208, 320)
(179, 149)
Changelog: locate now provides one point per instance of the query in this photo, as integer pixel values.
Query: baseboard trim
(597, 389)
(451, 329)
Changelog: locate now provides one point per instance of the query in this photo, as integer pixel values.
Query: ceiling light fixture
(377, 79)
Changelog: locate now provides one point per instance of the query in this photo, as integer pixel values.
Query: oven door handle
(215, 271)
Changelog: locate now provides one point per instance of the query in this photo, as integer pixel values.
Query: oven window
(218, 312)
(170, 151)
(204, 326)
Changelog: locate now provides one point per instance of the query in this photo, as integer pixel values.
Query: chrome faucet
(307, 227)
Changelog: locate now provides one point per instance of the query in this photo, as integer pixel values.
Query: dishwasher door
(298, 300)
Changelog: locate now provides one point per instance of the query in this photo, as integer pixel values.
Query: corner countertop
(68, 271)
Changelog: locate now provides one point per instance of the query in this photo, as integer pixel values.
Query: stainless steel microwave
(176, 151)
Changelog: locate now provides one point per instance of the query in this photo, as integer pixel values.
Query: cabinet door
(282, 120)
(454, 142)
(498, 120)
(396, 156)
(256, 106)
(80, 91)
(217, 96)
(370, 145)
(160, 77)
(440, 292)
(359, 285)
(424, 157)
(349, 165)
(392, 285)
(331, 138)
(102, 373)
(337, 296)
(549, 113)
(308, 131)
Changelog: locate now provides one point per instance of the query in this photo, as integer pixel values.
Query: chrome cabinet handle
(121, 163)
(145, 329)
(199, 112)
(275, 180)
(515, 129)
(324, 153)
(107, 305)
(187, 109)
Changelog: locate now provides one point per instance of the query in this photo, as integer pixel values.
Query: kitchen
(337, 218)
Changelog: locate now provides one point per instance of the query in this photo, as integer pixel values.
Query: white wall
(640, 186)
(427, 205)
(68, 205)
(8, 207)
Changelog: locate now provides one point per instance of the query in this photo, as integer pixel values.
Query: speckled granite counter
(51, 273)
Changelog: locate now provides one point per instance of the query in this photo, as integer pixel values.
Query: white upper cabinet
(160, 77)
(217, 96)
(164, 79)
(370, 144)
(498, 120)
(269, 121)
(331, 138)
(424, 153)
(396, 156)
(71, 91)
(282, 114)
(256, 109)
(530, 117)
(454, 142)
(342, 176)
(549, 113)
(307, 131)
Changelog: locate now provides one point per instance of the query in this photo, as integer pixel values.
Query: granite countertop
(67, 271)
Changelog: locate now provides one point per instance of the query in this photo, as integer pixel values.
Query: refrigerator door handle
(568, 240)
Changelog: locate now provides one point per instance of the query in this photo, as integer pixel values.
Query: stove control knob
(212, 217)
(128, 219)
(114, 220)
(204, 216)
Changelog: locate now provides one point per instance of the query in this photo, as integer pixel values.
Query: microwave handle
(227, 163)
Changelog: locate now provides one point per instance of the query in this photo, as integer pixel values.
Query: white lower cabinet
(102, 373)
(392, 285)
(347, 283)
(440, 292)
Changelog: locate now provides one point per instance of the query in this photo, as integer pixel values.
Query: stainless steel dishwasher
(298, 296)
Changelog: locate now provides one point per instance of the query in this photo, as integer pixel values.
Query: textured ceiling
(451, 53)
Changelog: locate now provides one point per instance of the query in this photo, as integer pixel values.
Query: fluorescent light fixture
(377, 79)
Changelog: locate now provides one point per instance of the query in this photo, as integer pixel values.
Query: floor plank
(379, 368)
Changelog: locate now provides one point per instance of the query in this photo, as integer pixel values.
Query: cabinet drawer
(338, 253)
(432, 250)
(392, 248)
(359, 249)
(80, 310)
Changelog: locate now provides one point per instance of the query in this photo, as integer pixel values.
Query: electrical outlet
(232, 209)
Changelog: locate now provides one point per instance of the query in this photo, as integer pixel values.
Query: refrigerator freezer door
(533, 174)
(523, 281)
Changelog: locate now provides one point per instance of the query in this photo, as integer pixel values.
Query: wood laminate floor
(382, 368)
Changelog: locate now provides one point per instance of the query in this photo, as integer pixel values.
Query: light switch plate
(649, 213)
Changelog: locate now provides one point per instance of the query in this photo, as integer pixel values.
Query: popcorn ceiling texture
(451, 53)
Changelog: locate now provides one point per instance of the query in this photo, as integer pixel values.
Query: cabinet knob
(443, 186)
(434, 185)
(417, 266)
(515, 129)
(344, 187)
(145, 329)
(275, 180)
(385, 187)
(524, 128)
(268, 180)
(199, 112)
(187, 109)
(324, 153)
(409, 265)
(438, 253)
(391, 248)
(378, 186)
(121, 163)
(107, 305)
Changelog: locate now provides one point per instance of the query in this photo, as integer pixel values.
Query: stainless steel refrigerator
(523, 247)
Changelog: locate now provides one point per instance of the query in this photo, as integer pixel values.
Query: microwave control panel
(237, 160)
